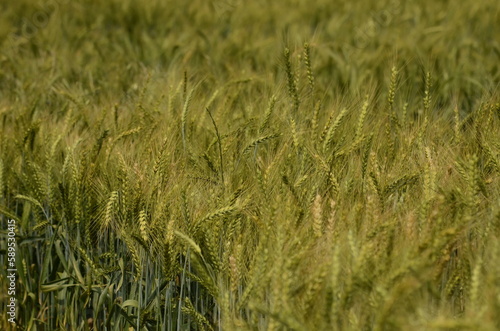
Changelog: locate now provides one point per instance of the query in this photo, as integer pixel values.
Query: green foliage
(222, 165)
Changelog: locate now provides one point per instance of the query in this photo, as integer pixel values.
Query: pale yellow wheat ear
(392, 122)
(331, 130)
(392, 90)
(456, 127)
(184, 117)
(269, 112)
(427, 99)
(314, 120)
(317, 214)
(361, 119)
(110, 216)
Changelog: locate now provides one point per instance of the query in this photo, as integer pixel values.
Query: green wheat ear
(267, 116)
(332, 129)
(255, 193)
(361, 120)
(143, 225)
(220, 148)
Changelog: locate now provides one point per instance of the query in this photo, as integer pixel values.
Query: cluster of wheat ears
(280, 202)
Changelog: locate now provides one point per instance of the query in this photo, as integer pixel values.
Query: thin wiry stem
(220, 147)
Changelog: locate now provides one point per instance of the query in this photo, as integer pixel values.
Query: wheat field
(231, 165)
